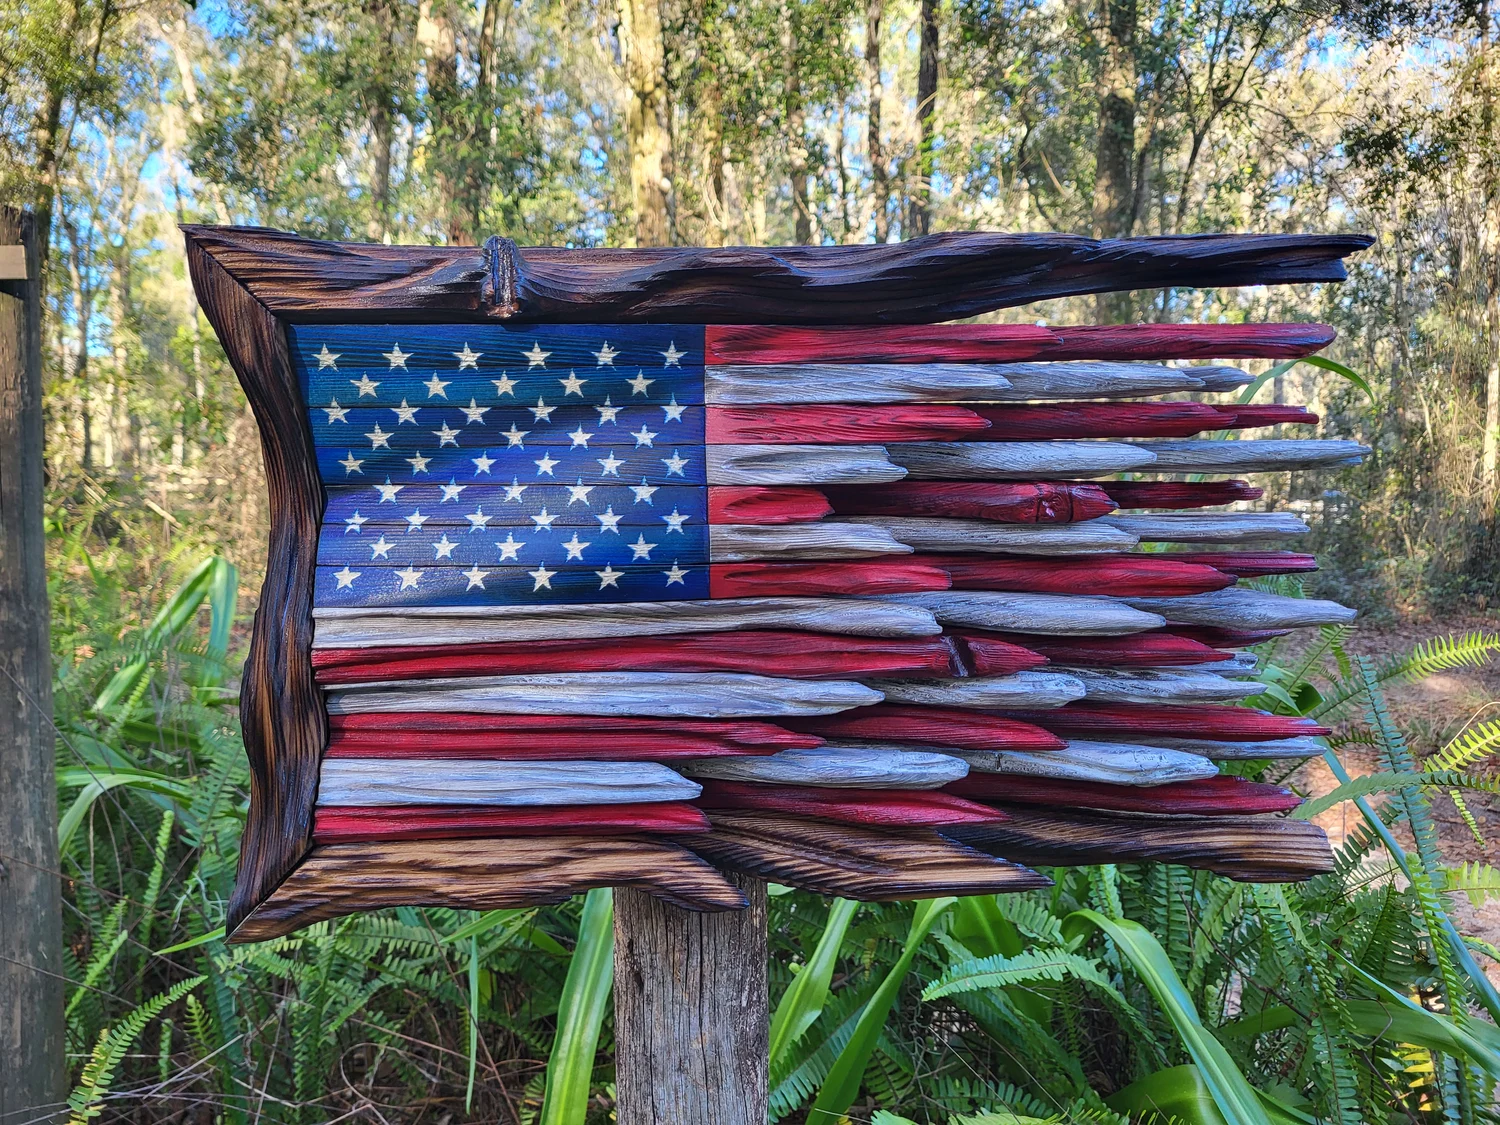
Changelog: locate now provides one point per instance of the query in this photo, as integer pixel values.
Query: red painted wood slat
(905, 343)
(1213, 796)
(1025, 502)
(1228, 638)
(1100, 420)
(1177, 494)
(1190, 341)
(1116, 575)
(840, 425)
(428, 822)
(755, 504)
(822, 579)
(986, 653)
(880, 807)
(1119, 722)
(933, 726)
(1251, 564)
(1269, 414)
(753, 735)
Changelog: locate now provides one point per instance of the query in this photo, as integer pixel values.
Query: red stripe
(1213, 796)
(840, 425)
(1139, 650)
(894, 343)
(765, 580)
(1030, 502)
(1119, 722)
(758, 505)
(880, 807)
(1269, 415)
(1176, 494)
(1139, 576)
(1228, 638)
(1100, 420)
(753, 736)
(795, 655)
(538, 746)
(934, 726)
(988, 654)
(447, 822)
(1190, 341)
(1252, 564)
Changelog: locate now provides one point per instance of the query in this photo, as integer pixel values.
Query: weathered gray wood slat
(1034, 613)
(1242, 751)
(792, 541)
(1251, 456)
(788, 383)
(703, 695)
(1219, 379)
(1240, 664)
(1023, 689)
(365, 628)
(800, 464)
(1089, 537)
(1111, 763)
(1017, 460)
(1239, 608)
(1121, 685)
(420, 781)
(1086, 379)
(840, 767)
(1210, 527)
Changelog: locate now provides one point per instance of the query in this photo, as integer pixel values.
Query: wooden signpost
(682, 570)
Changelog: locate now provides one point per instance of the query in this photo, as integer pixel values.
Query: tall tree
(875, 144)
(1114, 149)
(437, 32)
(920, 217)
(643, 54)
(796, 124)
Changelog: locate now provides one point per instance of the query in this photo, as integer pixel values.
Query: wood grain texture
(1018, 460)
(1238, 664)
(1004, 502)
(1220, 637)
(1118, 575)
(842, 767)
(446, 781)
(1111, 763)
(1147, 685)
(1251, 564)
(1036, 613)
(1177, 494)
(939, 277)
(281, 713)
(1071, 380)
(1020, 689)
(1190, 341)
(1133, 721)
(1139, 650)
(1244, 751)
(816, 656)
(799, 464)
(760, 504)
(1238, 608)
(354, 824)
(841, 425)
(1211, 527)
(848, 861)
(858, 383)
(1211, 796)
(932, 726)
(823, 579)
(691, 1001)
(1092, 537)
(870, 807)
(764, 345)
(1261, 849)
(1252, 455)
(1062, 420)
(833, 539)
(338, 879)
(983, 654)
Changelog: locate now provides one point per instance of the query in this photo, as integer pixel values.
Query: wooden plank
(832, 539)
(1115, 575)
(832, 424)
(760, 504)
(1210, 796)
(823, 579)
(1062, 420)
(1093, 537)
(1190, 341)
(1021, 689)
(1037, 613)
(1030, 381)
(842, 767)
(847, 861)
(870, 807)
(1148, 685)
(1020, 460)
(1251, 456)
(1251, 564)
(988, 654)
(695, 695)
(1005, 502)
(1177, 494)
(1139, 650)
(931, 726)
(338, 879)
(446, 781)
(13, 263)
(1142, 721)
(1244, 751)
(834, 343)
(856, 383)
(1105, 762)
(800, 464)
(356, 824)
(1238, 608)
(548, 745)
(1211, 527)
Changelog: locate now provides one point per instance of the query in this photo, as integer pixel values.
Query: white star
(675, 521)
(418, 463)
(643, 492)
(451, 490)
(579, 437)
(336, 412)
(541, 411)
(608, 521)
(326, 358)
(475, 576)
(380, 549)
(444, 547)
(579, 491)
(396, 356)
(477, 519)
(366, 385)
(544, 464)
(482, 463)
(514, 489)
(639, 384)
(536, 357)
(446, 436)
(606, 355)
(573, 384)
(674, 464)
(609, 576)
(611, 465)
(409, 577)
(543, 577)
(676, 574)
(641, 548)
(435, 386)
(504, 385)
(474, 412)
(642, 437)
(509, 548)
(466, 358)
(607, 412)
(355, 522)
(515, 437)
(378, 437)
(415, 521)
(673, 411)
(388, 490)
(575, 548)
(404, 413)
(352, 464)
(345, 577)
(672, 355)
(543, 519)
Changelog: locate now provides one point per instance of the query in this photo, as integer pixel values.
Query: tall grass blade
(802, 1003)
(580, 1013)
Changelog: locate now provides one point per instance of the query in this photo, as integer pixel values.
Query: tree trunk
(879, 177)
(643, 53)
(32, 1060)
(796, 129)
(920, 219)
(437, 33)
(1490, 451)
(1114, 152)
(691, 1028)
(380, 110)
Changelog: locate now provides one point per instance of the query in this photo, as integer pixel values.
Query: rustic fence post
(32, 1074)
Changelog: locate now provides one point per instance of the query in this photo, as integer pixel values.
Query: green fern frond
(99, 1072)
(1477, 880)
(1473, 745)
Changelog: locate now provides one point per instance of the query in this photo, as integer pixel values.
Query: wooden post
(32, 1074)
(691, 1022)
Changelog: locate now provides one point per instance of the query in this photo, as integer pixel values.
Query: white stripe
(1210, 527)
(831, 540)
(1266, 456)
(1240, 608)
(1023, 689)
(1241, 751)
(843, 767)
(1142, 685)
(800, 464)
(1088, 379)
(1016, 460)
(755, 384)
(1109, 762)
(420, 781)
(1032, 613)
(1089, 537)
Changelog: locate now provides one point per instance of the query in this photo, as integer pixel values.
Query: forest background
(653, 122)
